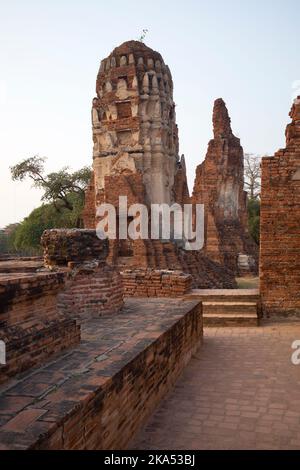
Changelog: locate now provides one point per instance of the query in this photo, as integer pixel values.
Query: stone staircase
(228, 307)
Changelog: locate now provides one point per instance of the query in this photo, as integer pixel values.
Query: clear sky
(245, 51)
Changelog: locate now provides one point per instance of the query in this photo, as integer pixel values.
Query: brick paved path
(241, 391)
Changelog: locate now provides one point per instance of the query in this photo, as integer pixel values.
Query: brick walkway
(240, 391)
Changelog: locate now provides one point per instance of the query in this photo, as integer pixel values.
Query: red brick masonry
(91, 290)
(155, 283)
(63, 246)
(280, 225)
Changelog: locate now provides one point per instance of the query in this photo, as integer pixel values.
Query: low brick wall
(155, 283)
(62, 246)
(30, 324)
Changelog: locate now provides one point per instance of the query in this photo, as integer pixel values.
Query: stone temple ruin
(219, 185)
(98, 333)
(136, 154)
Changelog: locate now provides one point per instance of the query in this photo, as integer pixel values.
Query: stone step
(229, 308)
(225, 295)
(214, 319)
(227, 313)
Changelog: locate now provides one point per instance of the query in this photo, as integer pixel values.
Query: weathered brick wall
(155, 283)
(62, 246)
(113, 408)
(280, 225)
(91, 290)
(30, 324)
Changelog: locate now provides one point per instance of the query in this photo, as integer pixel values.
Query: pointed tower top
(221, 120)
(293, 129)
(295, 111)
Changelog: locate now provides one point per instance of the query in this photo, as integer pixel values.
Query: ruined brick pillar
(92, 288)
(219, 185)
(280, 224)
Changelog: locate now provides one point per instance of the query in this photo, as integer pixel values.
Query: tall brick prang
(280, 224)
(134, 128)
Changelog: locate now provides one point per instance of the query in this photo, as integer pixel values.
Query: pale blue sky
(246, 52)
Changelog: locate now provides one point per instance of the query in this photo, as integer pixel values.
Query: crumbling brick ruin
(75, 246)
(280, 224)
(219, 185)
(41, 312)
(136, 155)
(91, 290)
(105, 362)
(91, 286)
(97, 335)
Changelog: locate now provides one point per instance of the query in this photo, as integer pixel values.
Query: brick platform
(97, 395)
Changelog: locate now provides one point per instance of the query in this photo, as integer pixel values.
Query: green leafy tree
(3, 242)
(6, 235)
(26, 236)
(58, 186)
(254, 218)
(63, 197)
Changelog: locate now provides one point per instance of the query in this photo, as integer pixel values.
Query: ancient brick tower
(280, 224)
(134, 131)
(219, 185)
